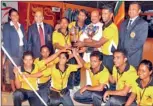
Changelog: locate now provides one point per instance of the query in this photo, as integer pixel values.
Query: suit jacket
(33, 43)
(133, 39)
(11, 39)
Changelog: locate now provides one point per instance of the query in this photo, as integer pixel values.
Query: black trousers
(21, 95)
(89, 97)
(74, 78)
(44, 90)
(56, 98)
(118, 100)
(108, 62)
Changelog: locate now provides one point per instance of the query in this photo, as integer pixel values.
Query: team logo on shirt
(132, 34)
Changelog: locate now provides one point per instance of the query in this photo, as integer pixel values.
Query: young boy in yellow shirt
(124, 75)
(99, 75)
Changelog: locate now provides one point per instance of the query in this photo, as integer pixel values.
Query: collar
(127, 67)
(59, 30)
(100, 69)
(139, 82)
(97, 24)
(39, 24)
(84, 26)
(57, 67)
(11, 23)
(108, 24)
(40, 58)
(133, 19)
(23, 70)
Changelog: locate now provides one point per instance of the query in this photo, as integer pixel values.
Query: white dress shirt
(133, 19)
(20, 34)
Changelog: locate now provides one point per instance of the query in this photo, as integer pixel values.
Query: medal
(132, 34)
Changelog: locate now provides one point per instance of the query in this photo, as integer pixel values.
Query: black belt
(55, 94)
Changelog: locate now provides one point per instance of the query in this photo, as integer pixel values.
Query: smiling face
(45, 52)
(39, 17)
(82, 16)
(95, 62)
(63, 59)
(64, 23)
(14, 16)
(28, 60)
(106, 15)
(143, 71)
(119, 59)
(95, 17)
(134, 10)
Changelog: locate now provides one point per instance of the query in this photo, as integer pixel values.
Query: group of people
(111, 57)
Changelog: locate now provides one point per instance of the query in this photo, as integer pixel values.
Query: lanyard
(119, 77)
(141, 95)
(62, 78)
(66, 36)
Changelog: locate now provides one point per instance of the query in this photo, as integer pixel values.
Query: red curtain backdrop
(27, 10)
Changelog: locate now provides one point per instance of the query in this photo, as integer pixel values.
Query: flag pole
(23, 76)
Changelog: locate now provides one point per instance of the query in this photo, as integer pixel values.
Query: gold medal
(132, 34)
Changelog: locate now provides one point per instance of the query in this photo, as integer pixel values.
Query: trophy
(74, 35)
(91, 31)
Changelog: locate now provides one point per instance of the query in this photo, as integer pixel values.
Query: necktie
(41, 36)
(129, 24)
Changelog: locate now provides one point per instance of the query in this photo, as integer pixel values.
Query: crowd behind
(52, 59)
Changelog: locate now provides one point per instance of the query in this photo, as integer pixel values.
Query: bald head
(39, 17)
(95, 16)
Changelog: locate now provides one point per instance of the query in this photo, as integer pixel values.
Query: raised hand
(15, 70)
(75, 52)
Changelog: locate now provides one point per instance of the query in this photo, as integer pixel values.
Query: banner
(28, 9)
(119, 13)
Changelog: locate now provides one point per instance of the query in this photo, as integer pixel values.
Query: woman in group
(14, 41)
(142, 90)
(61, 37)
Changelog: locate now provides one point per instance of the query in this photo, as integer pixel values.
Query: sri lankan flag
(119, 13)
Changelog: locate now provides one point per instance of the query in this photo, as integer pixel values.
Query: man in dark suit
(133, 34)
(39, 34)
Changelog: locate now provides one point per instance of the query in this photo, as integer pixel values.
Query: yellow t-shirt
(101, 77)
(43, 79)
(110, 33)
(33, 81)
(61, 39)
(59, 78)
(127, 78)
(144, 95)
